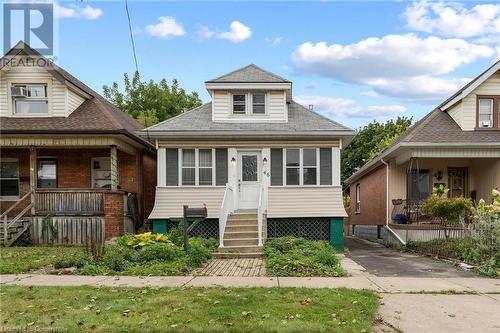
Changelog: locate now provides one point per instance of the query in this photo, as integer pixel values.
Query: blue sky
(355, 61)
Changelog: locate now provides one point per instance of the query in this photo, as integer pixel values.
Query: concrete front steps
(240, 237)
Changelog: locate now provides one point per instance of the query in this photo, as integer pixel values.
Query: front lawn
(186, 309)
(288, 256)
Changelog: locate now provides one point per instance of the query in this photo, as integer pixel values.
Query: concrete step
(241, 241)
(229, 255)
(240, 249)
(240, 234)
(242, 227)
(238, 217)
(241, 222)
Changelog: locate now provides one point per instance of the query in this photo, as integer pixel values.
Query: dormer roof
(249, 74)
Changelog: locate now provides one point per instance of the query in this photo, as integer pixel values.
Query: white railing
(226, 208)
(261, 210)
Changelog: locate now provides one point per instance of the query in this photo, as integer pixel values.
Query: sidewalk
(391, 285)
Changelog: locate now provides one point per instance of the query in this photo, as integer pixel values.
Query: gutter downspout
(387, 205)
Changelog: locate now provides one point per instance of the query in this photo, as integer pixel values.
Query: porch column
(33, 177)
(114, 168)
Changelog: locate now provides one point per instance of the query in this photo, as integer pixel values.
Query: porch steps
(241, 237)
(14, 231)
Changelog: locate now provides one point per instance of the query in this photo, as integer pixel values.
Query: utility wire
(131, 36)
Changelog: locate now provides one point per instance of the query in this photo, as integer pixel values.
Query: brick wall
(373, 198)
(149, 183)
(113, 213)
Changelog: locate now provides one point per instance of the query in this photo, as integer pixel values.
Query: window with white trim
(239, 104)
(259, 103)
(486, 112)
(302, 167)
(30, 98)
(197, 167)
(9, 178)
(358, 198)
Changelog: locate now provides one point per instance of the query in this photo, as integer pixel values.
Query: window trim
(12, 197)
(301, 168)
(232, 103)
(249, 104)
(357, 201)
(496, 111)
(265, 103)
(196, 168)
(10, 98)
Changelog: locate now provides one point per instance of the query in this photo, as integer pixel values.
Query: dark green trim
(337, 233)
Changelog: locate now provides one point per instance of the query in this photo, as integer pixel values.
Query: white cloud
(238, 33)
(453, 19)
(205, 33)
(369, 94)
(344, 107)
(403, 66)
(167, 27)
(311, 85)
(75, 11)
(274, 41)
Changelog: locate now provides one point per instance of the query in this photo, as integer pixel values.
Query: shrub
(66, 261)
(176, 234)
(117, 257)
(448, 209)
(199, 252)
(159, 251)
(141, 240)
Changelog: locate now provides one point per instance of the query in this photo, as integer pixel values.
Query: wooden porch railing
(69, 202)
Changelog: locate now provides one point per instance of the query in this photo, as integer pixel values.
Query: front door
(248, 180)
(457, 182)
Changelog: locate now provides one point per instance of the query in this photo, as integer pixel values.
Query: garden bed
(288, 256)
(89, 309)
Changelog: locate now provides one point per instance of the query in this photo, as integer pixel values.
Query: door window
(249, 169)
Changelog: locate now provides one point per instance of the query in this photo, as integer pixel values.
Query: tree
(150, 102)
(369, 142)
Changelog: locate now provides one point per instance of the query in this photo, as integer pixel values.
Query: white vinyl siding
(305, 202)
(275, 107)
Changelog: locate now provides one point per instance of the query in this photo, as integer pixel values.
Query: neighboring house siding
(61, 101)
(373, 198)
(288, 201)
(170, 200)
(275, 103)
(468, 105)
(489, 172)
(456, 113)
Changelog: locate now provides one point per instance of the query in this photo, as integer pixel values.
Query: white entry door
(248, 179)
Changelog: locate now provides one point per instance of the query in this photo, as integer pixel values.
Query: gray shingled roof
(300, 120)
(249, 74)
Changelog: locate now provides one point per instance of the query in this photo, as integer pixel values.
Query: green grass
(26, 259)
(290, 256)
(187, 309)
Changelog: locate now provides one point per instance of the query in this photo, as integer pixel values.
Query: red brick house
(69, 154)
(457, 145)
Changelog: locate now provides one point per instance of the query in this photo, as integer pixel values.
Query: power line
(131, 35)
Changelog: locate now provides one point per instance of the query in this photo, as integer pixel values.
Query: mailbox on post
(194, 215)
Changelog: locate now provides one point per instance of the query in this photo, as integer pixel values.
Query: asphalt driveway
(382, 261)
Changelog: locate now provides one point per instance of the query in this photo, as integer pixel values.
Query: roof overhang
(404, 151)
(471, 87)
(248, 86)
(239, 134)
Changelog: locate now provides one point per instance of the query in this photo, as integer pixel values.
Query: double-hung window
(258, 103)
(358, 198)
(197, 167)
(239, 103)
(9, 178)
(30, 98)
(486, 112)
(301, 166)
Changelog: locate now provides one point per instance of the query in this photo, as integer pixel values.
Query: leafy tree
(369, 142)
(150, 102)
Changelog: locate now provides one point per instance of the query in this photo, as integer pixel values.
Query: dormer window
(30, 98)
(258, 103)
(239, 104)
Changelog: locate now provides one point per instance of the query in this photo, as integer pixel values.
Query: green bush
(66, 261)
(199, 252)
(159, 251)
(176, 234)
(141, 240)
(118, 257)
(448, 209)
(289, 256)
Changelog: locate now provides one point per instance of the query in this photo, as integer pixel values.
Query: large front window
(30, 98)
(301, 166)
(9, 178)
(197, 167)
